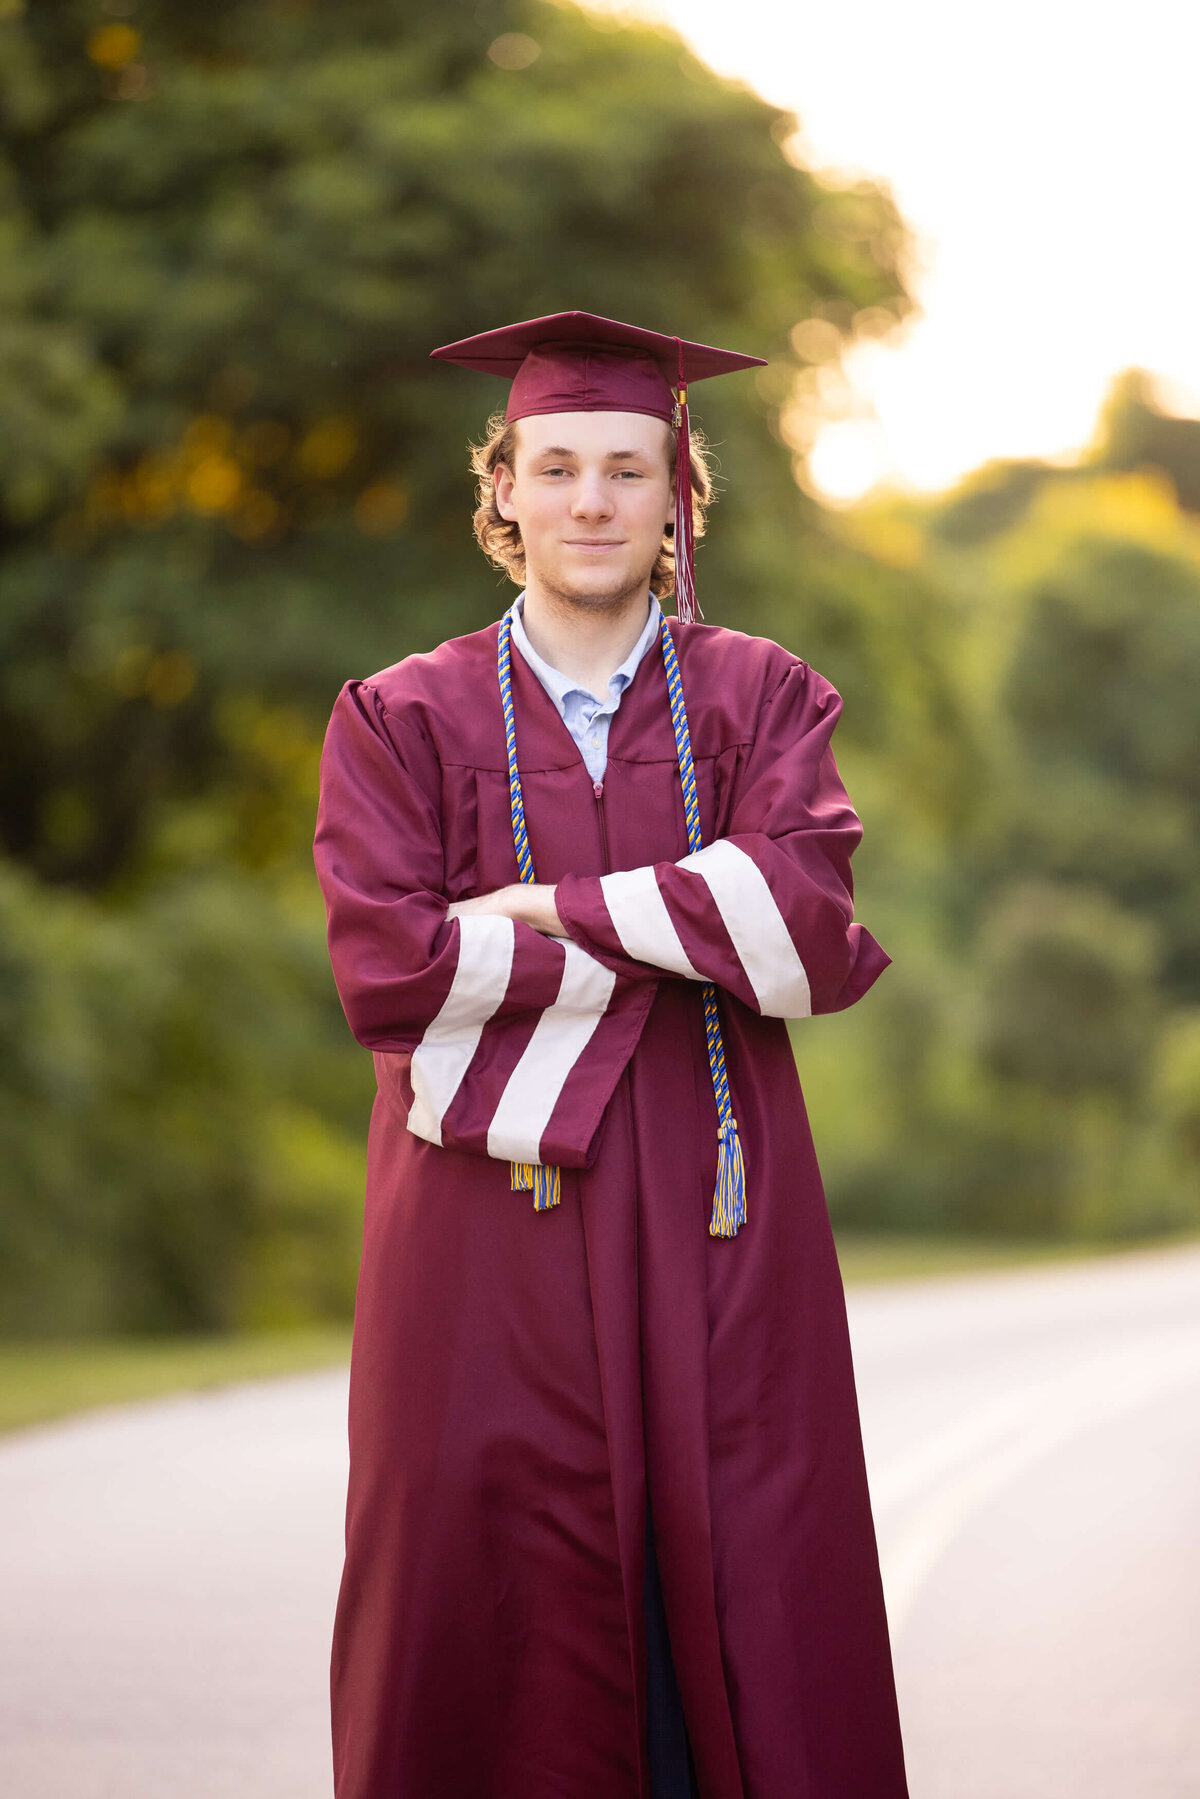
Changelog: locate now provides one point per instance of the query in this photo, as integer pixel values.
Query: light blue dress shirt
(586, 717)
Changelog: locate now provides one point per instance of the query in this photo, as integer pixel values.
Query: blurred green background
(230, 479)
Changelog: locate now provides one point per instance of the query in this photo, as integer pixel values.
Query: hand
(525, 902)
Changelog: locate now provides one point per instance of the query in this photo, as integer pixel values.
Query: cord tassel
(542, 1179)
(729, 1201)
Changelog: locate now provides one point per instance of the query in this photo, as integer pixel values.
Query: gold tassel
(542, 1179)
(729, 1200)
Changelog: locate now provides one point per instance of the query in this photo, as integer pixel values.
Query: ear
(502, 481)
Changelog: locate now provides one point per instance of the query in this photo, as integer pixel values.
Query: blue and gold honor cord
(729, 1201)
(543, 1180)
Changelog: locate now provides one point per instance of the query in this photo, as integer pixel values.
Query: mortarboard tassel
(685, 572)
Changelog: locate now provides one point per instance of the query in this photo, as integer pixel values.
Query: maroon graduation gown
(520, 1379)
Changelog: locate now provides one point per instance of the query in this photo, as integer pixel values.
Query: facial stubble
(594, 599)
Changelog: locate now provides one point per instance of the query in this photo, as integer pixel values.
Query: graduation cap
(580, 362)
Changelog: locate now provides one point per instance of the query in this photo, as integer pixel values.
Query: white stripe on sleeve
(441, 1059)
(641, 920)
(756, 927)
(559, 1039)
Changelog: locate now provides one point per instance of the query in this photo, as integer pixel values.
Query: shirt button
(595, 740)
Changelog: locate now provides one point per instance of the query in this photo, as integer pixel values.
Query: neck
(587, 639)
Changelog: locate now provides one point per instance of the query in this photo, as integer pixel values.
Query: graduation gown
(520, 1381)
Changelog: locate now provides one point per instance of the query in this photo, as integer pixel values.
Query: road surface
(168, 1571)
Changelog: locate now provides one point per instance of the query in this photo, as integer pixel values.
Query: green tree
(233, 238)
(1101, 689)
(1040, 1026)
(230, 478)
(1137, 431)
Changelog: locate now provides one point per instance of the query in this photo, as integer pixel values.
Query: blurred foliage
(1138, 431)
(230, 478)
(1032, 1060)
(231, 237)
(178, 1114)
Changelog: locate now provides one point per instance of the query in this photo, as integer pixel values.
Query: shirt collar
(560, 685)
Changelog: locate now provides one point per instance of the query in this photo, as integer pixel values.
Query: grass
(43, 1381)
(40, 1381)
(866, 1256)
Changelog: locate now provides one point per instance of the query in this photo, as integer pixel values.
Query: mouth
(594, 543)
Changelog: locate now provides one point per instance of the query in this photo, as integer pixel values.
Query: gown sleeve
(500, 1040)
(765, 911)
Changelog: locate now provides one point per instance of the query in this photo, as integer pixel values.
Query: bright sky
(1047, 153)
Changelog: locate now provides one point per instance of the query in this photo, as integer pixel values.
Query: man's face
(591, 492)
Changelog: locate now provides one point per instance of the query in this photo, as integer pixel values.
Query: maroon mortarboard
(579, 362)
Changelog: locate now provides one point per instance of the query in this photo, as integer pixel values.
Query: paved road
(1034, 1445)
(167, 1572)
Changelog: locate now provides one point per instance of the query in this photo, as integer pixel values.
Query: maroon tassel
(685, 571)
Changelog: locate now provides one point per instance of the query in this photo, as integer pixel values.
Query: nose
(593, 497)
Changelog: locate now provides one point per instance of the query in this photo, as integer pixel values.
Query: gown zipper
(598, 791)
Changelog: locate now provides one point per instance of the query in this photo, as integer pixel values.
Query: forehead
(593, 433)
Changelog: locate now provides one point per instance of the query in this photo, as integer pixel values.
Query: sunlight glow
(1045, 155)
(848, 459)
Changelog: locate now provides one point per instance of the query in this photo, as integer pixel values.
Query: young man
(608, 1531)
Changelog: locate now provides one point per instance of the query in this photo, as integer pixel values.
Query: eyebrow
(611, 456)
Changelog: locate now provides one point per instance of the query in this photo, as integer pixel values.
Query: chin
(594, 588)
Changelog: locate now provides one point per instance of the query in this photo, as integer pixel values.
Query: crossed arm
(525, 902)
(764, 911)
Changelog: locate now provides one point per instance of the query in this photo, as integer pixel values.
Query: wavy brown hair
(500, 538)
